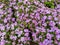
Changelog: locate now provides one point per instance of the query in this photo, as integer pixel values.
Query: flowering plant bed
(29, 22)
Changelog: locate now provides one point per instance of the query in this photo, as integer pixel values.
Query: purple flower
(35, 22)
(13, 19)
(40, 36)
(43, 29)
(44, 24)
(20, 0)
(27, 34)
(49, 36)
(58, 36)
(49, 17)
(40, 43)
(18, 32)
(1, 6)
(16, 7)
(2, 28)
(22, 39)
(55, 18)
(58, 6)
(2, 42)
(26, 30)
(47, 11)
(47, 42)
(5, 20)
(59, 43)
(13, 43)
(1, 11)
(57, 31)
(4, 33)
(37, 16)
(13, 37)
(52, 23)
(12, 26)
(28, 20)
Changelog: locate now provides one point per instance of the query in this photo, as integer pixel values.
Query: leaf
(40, 0)
(8, 44)
(31, 0)
(59, 26)
(49, 4)
(28, 25)
(52, 7)
(18, 21)
(25, 5)
(30, 11)
(19, 3)
(1, 21)
(15, 27)
(20, 10)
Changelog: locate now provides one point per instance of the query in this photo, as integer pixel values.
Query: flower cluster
(29, 22)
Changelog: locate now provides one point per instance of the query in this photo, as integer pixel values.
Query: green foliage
(25, 5)
(19, 3)
(28, 25)
(8, 44)
(20, 10)
(1, 21)
(15, 27)
(47, 27)
(18, 21)
(5, 1)
(59, 26)
(49, 4)
(31, 0)
(39, 0)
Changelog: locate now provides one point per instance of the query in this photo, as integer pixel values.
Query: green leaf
(19, 22)
(19, 3)
(1, 21)
(52, 7)
(28, 25)
(30, 11)
(40, 0)
(59, 26)
(49, 4)
(25, 5)
(15, 27)
(31, 0)
(8, 44)
(20, 10)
